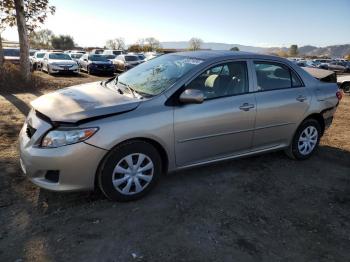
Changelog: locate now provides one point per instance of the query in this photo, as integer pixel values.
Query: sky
(265, 23)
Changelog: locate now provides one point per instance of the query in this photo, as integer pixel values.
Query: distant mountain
(330, 51)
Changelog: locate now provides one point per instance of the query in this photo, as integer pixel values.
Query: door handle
(301, 98)
(246, 107)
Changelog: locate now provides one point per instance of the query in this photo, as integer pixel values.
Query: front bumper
(63, 70)
(75, 164)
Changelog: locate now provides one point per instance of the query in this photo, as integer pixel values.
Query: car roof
(212, 55)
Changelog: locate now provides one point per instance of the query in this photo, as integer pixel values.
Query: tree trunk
(23, 40)
(1, 54)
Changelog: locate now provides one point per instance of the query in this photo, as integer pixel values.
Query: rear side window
(272, 76)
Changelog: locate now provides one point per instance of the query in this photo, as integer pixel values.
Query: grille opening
(30, 131)
(52, 175)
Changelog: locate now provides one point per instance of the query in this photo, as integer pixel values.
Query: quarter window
(272, 76)
(222, 80)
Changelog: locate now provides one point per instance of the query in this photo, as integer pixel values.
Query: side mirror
(191, 96)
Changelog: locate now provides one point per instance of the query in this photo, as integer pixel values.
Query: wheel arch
(319, 118)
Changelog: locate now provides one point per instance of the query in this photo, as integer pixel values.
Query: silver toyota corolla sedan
(175, 111)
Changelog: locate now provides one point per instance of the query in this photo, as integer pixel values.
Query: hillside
(331, 51)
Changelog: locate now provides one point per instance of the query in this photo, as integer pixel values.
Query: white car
(36, 60)
(56, 62)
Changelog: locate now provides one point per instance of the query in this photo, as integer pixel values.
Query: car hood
(83, 102)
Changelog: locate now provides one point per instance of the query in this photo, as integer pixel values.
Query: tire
(310, 132)
(134, 182)
(346, 87)
(88, 70)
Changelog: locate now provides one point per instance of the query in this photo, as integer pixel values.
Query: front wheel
(129, 171)
(305, 140)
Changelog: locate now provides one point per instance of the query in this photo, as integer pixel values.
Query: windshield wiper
(132, 91)
(104, 83)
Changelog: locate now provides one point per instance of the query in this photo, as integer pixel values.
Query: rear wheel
(129, 171)
(305, 140)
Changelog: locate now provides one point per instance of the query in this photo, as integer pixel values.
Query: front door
(223, 124)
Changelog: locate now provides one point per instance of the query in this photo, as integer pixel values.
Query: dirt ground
(262, 208)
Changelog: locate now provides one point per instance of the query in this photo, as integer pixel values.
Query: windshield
(59, 56)
(40, 55)
(142, 57)
(157, 75)
(131, 58)
(98, 58)
(11, 52)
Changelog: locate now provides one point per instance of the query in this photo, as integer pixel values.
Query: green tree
(62, 42)
(235, 48)
(293, 50)
(41, 39)
(195, 44)
(27, 15)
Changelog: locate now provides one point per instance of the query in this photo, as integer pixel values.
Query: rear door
(282, 101)
(223, 124)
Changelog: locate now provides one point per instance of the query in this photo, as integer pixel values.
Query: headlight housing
(68, 136)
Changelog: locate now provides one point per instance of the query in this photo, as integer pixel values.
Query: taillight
(339, 95)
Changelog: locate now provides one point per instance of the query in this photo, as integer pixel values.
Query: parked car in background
(11, 55)
(113, 52)
(94, 64)
(125, 62)
(55, 63)
(176, 111)
(336, 66)
(110, 57)
(76, 56)
(142, 57)
(97, 51)
(344, 83)
(36, 60)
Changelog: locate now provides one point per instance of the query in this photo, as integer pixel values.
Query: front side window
(272, 76)
(222, 80)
